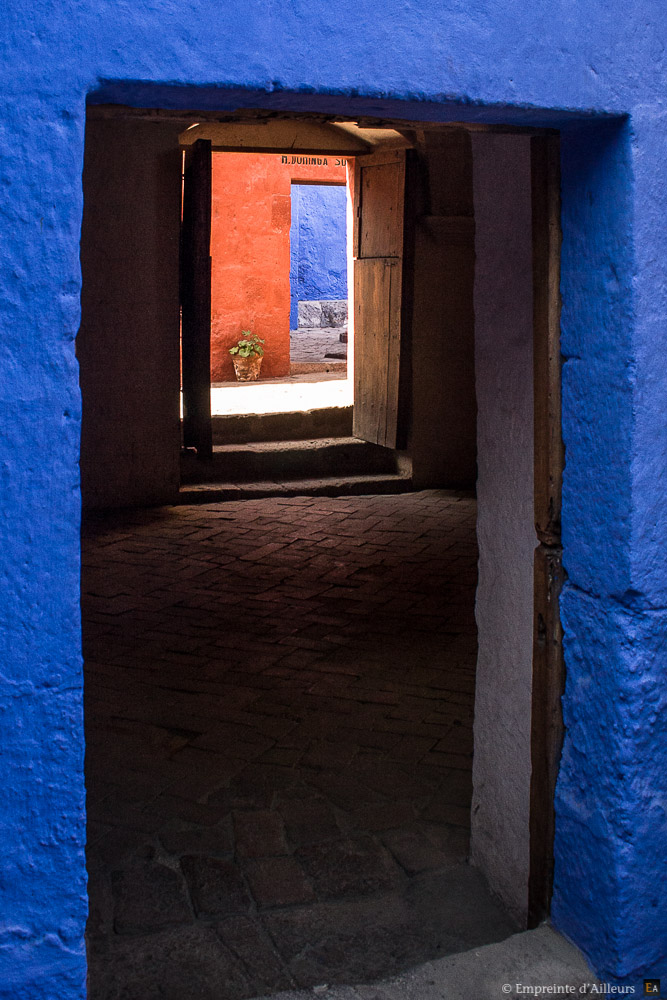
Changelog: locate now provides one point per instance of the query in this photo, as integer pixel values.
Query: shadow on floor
(279, 700)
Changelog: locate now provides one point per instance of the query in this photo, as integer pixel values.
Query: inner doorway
(318, 276)
(284, 284)
(278, 249)
(378, 204)
(307, 346)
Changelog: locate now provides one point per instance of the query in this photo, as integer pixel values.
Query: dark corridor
(279, 701)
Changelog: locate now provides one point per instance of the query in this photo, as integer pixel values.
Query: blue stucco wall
(612, 823)
(318, 245)
(527, 62)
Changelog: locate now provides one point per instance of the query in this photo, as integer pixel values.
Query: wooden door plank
(379, 187)
(548, 665)
(196, 299)
(381, 228)
(377, 296)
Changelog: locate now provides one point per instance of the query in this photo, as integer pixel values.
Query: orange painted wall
(250, 250)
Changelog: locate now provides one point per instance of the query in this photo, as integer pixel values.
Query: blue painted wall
(611, 818)
(318, 245)
(533, 63)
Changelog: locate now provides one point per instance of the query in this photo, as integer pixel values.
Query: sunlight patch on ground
(280, 396)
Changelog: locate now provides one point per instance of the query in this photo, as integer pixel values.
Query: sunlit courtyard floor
(317, 391)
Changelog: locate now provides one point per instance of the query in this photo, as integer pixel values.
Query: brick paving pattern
(279, 699)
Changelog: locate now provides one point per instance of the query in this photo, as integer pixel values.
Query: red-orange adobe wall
(250, 250)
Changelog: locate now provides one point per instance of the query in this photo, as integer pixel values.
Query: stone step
(284, 460)
(525, 963)
(372, 485)
(330, 422)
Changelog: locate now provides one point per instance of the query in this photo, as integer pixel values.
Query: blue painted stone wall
(611, 818)
(318, 245)
(595, 68)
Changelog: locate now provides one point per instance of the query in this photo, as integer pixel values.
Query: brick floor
(279, 699)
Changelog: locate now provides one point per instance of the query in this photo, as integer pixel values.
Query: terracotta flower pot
(247, 369)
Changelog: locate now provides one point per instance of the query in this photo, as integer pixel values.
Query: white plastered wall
(505, 528)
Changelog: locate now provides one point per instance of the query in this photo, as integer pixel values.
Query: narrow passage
(279, 698)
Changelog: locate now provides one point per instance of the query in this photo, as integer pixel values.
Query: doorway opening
(318, 278)
(280, 689)
(279, 266)
(335, 443)
(279, 262)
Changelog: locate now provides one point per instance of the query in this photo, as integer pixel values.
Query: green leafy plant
(249, 346)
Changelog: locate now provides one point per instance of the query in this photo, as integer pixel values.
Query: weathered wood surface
(378, 284)
(377, 296)
(548, 666)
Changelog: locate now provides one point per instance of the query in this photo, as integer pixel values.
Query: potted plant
(247, 356)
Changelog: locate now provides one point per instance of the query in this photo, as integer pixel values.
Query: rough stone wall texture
(520, 62)
(323, 313)
(318, 245)
(505, 523)
(611, 818)
(250, 249)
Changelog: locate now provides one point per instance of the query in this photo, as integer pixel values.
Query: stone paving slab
(534, 958)
(279, 699)
(314, 343)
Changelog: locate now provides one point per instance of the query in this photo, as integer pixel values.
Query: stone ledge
(323, 313)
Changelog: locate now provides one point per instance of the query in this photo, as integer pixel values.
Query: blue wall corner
(318, 245)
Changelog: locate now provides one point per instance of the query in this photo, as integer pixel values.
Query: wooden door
(548, 666)
(379, 195)
(196, 298)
